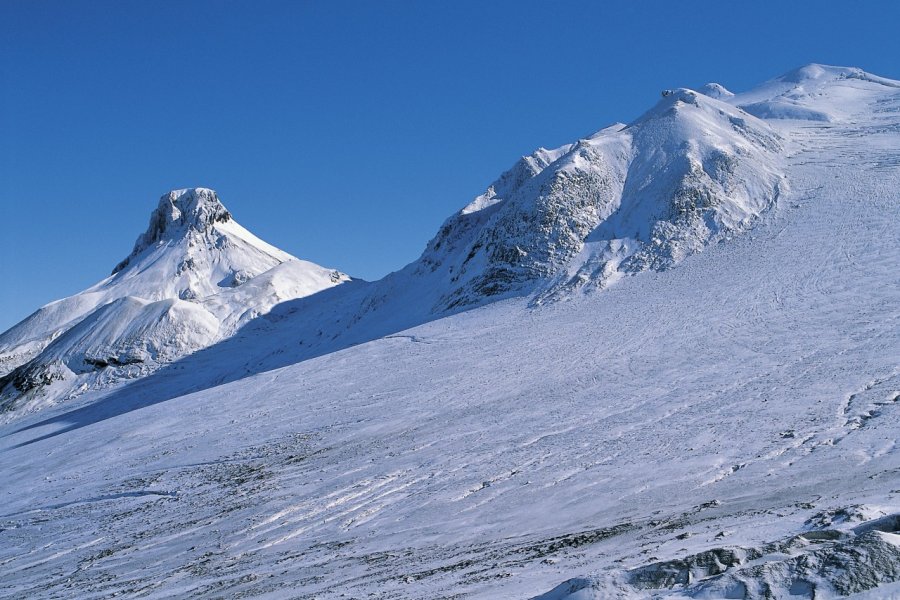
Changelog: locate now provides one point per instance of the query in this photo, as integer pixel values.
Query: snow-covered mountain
(711, 413)
(689, 172)
(695, 169)
(194, 277)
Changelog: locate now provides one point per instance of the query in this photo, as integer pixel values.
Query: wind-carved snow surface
(194, 277)
(724, 428)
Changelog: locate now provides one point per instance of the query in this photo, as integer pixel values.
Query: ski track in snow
(503, 450)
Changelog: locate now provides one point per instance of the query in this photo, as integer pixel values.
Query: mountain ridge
(693, 170)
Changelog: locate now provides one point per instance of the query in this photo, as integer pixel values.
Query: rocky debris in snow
(812, 564)
(30, 377)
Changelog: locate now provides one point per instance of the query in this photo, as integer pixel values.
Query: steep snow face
(691, 170)
(193, 277)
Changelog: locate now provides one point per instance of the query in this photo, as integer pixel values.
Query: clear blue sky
(342, 132)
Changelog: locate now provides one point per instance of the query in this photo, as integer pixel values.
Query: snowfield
(671, 400)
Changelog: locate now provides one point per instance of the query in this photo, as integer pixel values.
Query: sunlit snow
(684, 384)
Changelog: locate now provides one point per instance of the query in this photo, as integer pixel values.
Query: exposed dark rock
(179, 212)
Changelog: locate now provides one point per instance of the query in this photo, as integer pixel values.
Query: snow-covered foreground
(671, 435)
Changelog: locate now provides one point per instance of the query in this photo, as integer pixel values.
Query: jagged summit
(205, 249)
(192, 208)
(179, 212)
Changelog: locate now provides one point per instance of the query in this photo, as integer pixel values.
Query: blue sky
(342, 132)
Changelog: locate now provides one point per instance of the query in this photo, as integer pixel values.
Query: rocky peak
(178, 213)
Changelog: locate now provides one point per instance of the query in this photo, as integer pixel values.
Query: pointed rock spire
(179, 212)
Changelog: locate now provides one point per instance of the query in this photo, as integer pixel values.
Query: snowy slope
(690, 171)
(724, 428)
(813, 93)
(193, 278)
